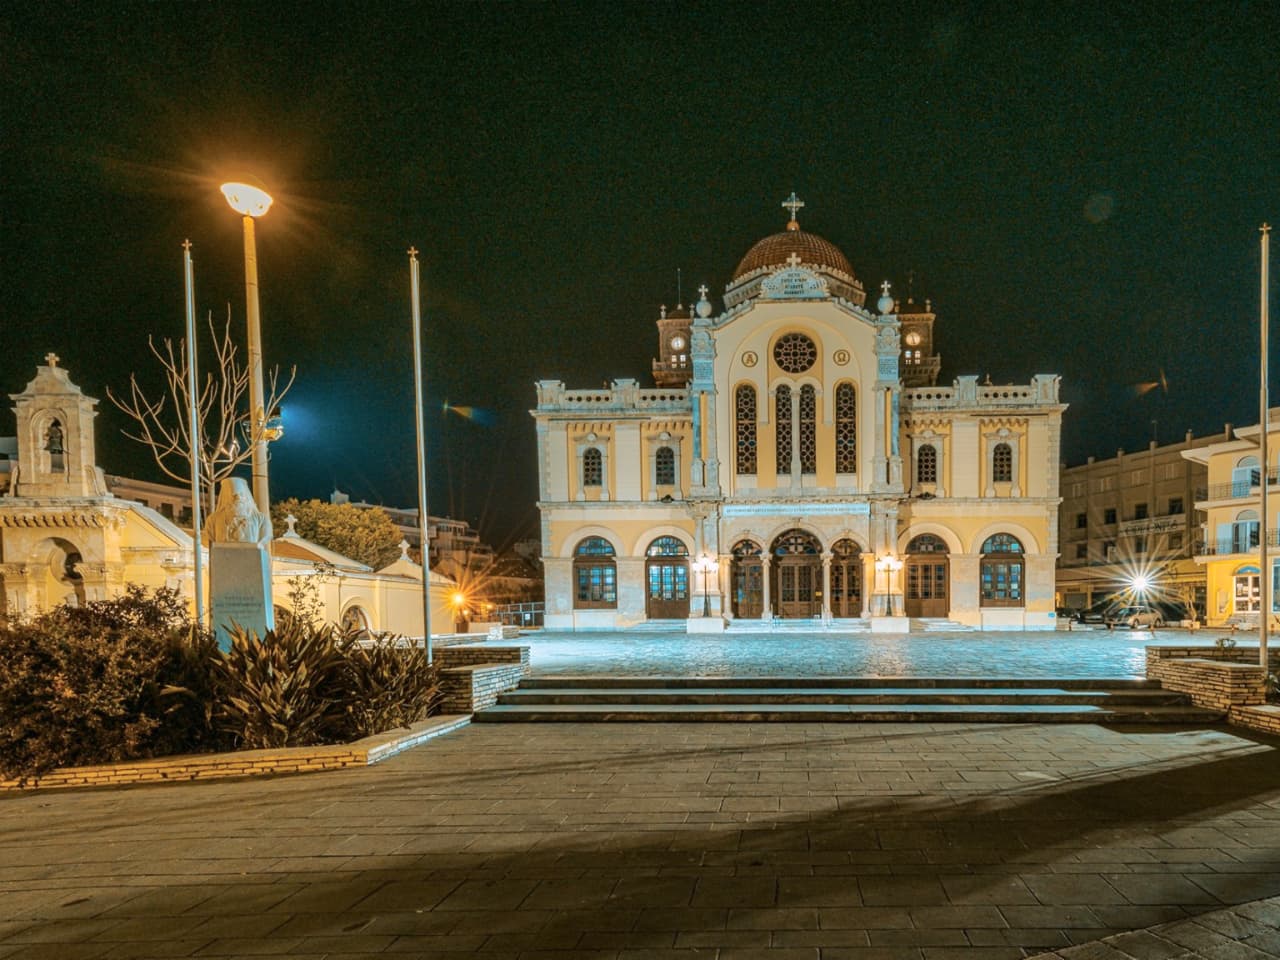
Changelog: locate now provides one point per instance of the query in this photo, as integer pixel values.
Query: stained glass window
(794, 353)
(846, 429)
(927, 464)
(1002, 463)
(808, 430)
(664, 467)
(782, 426)
(592, 467)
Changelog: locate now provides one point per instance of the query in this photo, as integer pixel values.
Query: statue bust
(236, 518)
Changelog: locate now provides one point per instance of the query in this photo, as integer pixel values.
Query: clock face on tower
(677, 343)
(913, 339)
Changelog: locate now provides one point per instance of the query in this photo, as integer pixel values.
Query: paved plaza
(631, 842)
(1056, 654)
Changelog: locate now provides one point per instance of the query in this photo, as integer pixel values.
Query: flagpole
(422, 449)
(1264, 421)
(193, 432)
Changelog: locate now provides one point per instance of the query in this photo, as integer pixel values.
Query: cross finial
(413, 253)
(793, 204)
(292, 522)
(884, 288)
(51, 359)
(404, 549)
(703, 291)
(186, 245)
(793, 260)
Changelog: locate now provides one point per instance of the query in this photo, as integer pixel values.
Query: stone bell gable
(56, 456)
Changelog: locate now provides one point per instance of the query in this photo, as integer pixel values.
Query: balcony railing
(1236, 489)
(1230, 545)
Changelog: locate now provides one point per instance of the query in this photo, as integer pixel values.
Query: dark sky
(1078, 190)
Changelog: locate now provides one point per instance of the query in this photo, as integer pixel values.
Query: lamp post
(890, 565)
(706, 565)
(250, 202)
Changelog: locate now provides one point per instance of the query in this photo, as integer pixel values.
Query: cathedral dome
(773, 252)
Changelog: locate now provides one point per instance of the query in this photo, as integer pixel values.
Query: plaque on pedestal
(240, 589)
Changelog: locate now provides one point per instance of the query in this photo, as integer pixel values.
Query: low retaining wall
(1219, 678)
(247, 763)
(473, 677)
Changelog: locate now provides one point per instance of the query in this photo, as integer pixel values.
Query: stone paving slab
(927, 841)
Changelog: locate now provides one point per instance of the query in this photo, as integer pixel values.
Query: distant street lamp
(706, 565)
(250, 202)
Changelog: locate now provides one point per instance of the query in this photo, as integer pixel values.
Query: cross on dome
(51, 359)
(793, 204)
(793, 260)
(884, 288)
(413, 252)
(703, 291)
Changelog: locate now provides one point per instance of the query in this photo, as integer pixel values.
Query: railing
(1228, 546)
(1236, 488)
(519, 614)
(1169, 523)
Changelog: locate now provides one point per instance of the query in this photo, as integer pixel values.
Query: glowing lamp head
(459, 599)
(247, 199)
(1140, 583)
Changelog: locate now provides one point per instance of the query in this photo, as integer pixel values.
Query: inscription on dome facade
(794, 283)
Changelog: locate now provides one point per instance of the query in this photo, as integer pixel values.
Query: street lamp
(890, 565)
(706, 565)
(250, 202)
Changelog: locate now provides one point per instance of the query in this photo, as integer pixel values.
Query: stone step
(847, 713)
(552, 681)
(837, 695)
(843, 699)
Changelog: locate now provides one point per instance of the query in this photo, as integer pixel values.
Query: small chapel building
(66, 538)
(796, 460)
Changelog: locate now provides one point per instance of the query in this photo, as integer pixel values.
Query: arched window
(927, 543)
(927, 464)
(1002, 463)
(782, 426)
(667, 547)
(846, 429)
(595, 574)
(664, 467)
(808, 430)
(745, 411)
(592, 468)
(1001, 572)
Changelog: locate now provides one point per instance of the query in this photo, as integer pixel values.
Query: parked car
(1099, 612)
(1134, 617)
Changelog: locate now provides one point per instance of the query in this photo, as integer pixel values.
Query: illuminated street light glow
(246, 199)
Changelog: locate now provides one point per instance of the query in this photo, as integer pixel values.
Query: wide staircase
(844, 700)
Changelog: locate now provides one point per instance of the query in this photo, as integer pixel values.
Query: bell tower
(673, 367)
(56, 455)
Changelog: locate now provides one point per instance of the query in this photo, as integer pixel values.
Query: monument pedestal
(240, 590)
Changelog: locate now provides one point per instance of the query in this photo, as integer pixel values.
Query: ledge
(247, 763)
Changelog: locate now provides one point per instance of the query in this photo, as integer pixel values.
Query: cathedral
(796, 460)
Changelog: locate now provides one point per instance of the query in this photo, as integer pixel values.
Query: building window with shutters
(664, 467)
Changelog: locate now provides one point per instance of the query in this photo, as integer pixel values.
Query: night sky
(1079, 191)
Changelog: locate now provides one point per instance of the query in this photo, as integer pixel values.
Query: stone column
(963, 589)
(826, 586)
(766, 611)
(868, 583)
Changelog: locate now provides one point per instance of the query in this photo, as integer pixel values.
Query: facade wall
(856, 520)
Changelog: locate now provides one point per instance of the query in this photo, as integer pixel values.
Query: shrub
(275, 692)
(98, 684)
(303, 685)
(383, 686)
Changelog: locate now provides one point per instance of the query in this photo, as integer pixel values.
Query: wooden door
(748, 588)
(799, 581)
(846, 588)
(668, 580)
(926, 587)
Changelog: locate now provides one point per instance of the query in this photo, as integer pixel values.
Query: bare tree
(227, 430)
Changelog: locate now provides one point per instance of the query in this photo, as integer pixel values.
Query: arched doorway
(926, 573)
(797, 575)
(846, 579)
(595, 575)
(1247, 595)
(746, 572)
(667, 574)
